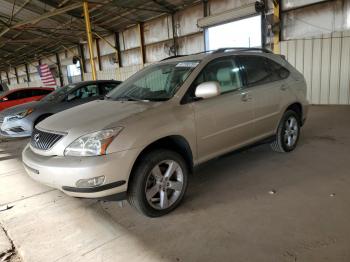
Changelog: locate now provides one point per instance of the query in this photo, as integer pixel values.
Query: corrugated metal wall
(325, 63)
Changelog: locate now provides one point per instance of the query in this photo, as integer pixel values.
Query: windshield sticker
(187, 64)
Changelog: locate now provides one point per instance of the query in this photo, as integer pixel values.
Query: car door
(223, 122)
(265, 88)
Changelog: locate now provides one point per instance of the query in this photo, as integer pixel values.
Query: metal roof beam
(141, 8)
(42, 17)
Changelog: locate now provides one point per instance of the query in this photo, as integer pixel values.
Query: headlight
(94, 144)
(23, 114)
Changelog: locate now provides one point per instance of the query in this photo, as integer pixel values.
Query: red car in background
(22, 95)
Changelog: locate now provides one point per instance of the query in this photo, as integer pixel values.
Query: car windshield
(59, 93)
(155, 83)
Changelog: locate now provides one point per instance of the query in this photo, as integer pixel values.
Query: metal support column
(142, 45)
(98, 54)
(174, 34)
(27, 72)
(276, 31)
(8, 78)
(59, 69)
(16, 73)
(89, 38)
(82, 61)
(117, 46)
(205, 31)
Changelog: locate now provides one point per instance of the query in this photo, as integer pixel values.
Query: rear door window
(278, 71)
(256, 70)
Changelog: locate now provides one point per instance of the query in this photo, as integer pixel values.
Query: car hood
(94, 116)
(17, 109)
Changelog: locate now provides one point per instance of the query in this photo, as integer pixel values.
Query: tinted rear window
(256, 69)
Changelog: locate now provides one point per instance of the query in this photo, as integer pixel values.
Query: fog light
(91, 182)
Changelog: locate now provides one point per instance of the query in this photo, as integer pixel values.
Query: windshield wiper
(130, 98)
(158, 99)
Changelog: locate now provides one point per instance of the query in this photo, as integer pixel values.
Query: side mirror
(283, 73)
(208, 89)
(4, 99)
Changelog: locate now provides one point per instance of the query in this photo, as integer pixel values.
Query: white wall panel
(307, 60)
(105, 48)
(299, 55)
(186, 20)
(157, 29)
(316, 71)
(218, 6)
(344, 96)
(325, 69)
(335, 69)
(291, 52)
(325, 63)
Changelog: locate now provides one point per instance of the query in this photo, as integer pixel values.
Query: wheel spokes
(171, 169)
(292, 123)
(289, 140)
(164, 202)
(157, 173)
(164, 184)
(150, 193)
(175, 185)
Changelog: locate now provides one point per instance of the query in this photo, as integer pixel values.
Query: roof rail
(176, 56)
(222, 50)
(171, 57)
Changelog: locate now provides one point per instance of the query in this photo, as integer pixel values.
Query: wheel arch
(298, 109)
(176, 143)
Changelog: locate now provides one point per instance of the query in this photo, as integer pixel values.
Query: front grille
(44, 140)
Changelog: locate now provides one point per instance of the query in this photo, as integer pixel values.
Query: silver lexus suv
(144, 138)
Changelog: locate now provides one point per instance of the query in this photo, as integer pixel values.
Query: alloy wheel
(164, 184)
(291, 131)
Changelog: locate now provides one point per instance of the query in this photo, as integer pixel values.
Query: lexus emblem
(36, 138)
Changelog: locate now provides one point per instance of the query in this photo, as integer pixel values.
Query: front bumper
(16, 128)
(63, 172)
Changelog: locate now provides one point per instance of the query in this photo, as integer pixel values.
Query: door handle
(284, 87)
(245, 97)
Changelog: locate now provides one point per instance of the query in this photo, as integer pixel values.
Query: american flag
(46, 75)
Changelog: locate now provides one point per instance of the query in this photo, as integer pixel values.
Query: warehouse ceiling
(32, 29)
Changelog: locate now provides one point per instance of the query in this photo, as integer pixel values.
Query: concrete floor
(228, 213)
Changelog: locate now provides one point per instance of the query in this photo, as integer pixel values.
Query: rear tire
(158, 183)
(288, 133)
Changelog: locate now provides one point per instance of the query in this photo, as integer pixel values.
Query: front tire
(288, 133)
(158, 183)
